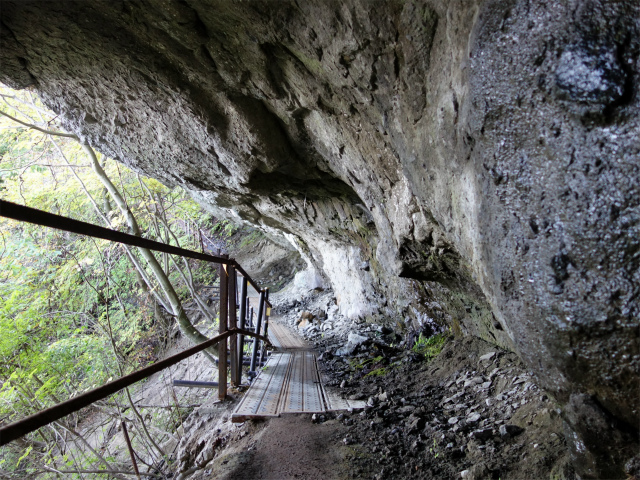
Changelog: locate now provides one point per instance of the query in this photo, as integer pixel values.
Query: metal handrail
(31, 423)
(46, 219)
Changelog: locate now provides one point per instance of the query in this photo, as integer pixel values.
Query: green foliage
(374, 367)
(378, 372)
(254, 237)
(434, 450)
(72, 311)
(356, 364)
(25, 455)
(225, 228)
(429, 347)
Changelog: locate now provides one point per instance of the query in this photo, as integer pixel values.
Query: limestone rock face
(473, 163)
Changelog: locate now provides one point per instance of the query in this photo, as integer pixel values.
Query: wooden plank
(314, 401)
(290, 382)
(194, 384)
(284, 337)
(263, 397)
(294, 398)
(274, 391)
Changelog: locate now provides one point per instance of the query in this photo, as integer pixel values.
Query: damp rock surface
(465, 165)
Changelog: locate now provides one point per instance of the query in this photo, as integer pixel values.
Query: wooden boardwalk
(289, 382)
(284, 338)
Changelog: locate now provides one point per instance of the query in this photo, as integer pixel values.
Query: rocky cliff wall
(471, 164)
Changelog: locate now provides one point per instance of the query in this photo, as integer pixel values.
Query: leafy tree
(75, 311)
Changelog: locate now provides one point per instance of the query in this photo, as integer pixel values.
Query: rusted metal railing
(45, 219)
(228, 328)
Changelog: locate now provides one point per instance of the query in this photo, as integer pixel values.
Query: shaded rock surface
(428, 420)
(463, 164)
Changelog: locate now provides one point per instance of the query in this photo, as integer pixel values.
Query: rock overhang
(484, 153)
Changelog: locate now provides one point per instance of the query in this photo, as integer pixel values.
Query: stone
(452, 420)
(510, 430)
(487, 356)
(590, 74)
(632, 467)
(482, 435)
(473, 418)
(477, 472)
(415, 423)
(356, 339)
(325, 356)
(473, 381)
(416, 445)
(595, 441)
(406, 409)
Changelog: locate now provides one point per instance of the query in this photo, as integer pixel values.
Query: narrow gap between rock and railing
(233, 325)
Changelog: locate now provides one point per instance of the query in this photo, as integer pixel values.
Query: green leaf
(25, 455)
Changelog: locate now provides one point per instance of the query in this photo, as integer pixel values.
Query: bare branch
(40, 129)
(106, 472)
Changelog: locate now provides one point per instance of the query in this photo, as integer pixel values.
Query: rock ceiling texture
(481, 155)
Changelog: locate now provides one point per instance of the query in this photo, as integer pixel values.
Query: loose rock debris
(472, 412)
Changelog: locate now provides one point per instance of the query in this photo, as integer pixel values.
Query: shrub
(429, 347)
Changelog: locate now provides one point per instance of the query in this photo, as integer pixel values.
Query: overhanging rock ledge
(472, 164)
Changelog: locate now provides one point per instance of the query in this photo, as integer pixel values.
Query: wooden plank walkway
(284, 338)
(289, 382)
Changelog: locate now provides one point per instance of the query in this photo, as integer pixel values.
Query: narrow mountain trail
(289, 447)
(276, 442)
(472, 411)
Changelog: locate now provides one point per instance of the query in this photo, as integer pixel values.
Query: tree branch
(40, 129)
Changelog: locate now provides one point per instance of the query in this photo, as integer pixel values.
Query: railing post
(228, 297)
(222, 346)
(243, 323)
(254, 353)
(233, 323)
(267, 313)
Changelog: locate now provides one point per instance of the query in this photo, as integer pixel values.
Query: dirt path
(289, 447)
